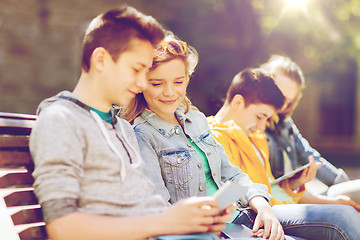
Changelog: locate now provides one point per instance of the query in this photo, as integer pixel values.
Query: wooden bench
(20, 213)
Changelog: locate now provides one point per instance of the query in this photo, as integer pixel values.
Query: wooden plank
(28, 214)
(16, 123)
(21, 197)
(17, 116)
(13, 158)
(16, 126)
(16, 179)
(11, 141)
(33, 231)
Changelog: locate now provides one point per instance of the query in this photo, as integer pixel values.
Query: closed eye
(155, 82)
(179, 80)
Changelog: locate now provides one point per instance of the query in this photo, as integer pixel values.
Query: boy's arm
(58, 155)
(78, 225)
(191, 215)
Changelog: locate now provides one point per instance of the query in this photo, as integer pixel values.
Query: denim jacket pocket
(207, 138)
(177, 167)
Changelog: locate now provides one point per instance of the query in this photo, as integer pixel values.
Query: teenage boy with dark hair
(88, 172)
(239, 127)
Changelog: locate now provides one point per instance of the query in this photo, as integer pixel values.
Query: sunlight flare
(296, 4)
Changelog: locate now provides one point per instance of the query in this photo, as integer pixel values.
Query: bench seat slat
(28, 215)
(32, 231)
(17, 179)
(20, 198)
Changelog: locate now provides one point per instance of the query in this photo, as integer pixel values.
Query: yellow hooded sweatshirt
(239, 148)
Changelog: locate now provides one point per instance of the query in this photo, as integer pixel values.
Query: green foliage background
(323, 38)
(40, 46)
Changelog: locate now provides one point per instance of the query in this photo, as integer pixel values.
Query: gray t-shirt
(77, 170)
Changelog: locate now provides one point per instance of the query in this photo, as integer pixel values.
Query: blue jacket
(174, 165)
(286, 136)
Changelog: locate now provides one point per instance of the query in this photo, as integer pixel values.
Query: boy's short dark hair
(257, 87)
(114, 29)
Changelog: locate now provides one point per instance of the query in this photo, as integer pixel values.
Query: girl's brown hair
(278, 64)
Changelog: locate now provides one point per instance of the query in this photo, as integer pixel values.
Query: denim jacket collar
(162, 126)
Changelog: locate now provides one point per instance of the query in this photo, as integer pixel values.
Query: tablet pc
(229, 193)
(290, 174)
(238, 231)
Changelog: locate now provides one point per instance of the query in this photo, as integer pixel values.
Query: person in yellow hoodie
(239, 126)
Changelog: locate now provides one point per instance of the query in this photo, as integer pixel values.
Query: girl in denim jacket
(289, 150)
(181, 155)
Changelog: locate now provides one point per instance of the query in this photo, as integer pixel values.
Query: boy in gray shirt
(88, 173)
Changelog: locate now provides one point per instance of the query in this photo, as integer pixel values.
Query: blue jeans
(200, 236)
(207, 236)
(313, 221)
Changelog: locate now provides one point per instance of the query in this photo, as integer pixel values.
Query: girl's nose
(168, 91)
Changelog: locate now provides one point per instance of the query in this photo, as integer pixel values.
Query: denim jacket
(174, 165)
(286, 136)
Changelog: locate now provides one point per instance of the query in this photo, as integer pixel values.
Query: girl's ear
(98, 58)
(237, 102)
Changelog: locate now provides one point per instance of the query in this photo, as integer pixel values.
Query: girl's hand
(265, 218)
(306, 175)
(345, 200)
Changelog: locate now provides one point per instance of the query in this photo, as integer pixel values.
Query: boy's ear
(98, 58)
(237, 101)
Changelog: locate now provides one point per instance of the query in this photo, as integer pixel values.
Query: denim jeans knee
(319, 221)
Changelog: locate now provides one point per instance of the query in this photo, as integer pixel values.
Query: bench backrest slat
(20, 211)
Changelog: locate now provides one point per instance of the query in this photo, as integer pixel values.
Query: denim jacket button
(201, 188)
(288, 149)
(189, 145)
(199, 165)
(179, 160)
(177, 131)
(208, 154)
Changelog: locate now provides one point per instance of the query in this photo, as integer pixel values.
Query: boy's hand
(193, 215)
(220, 220)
